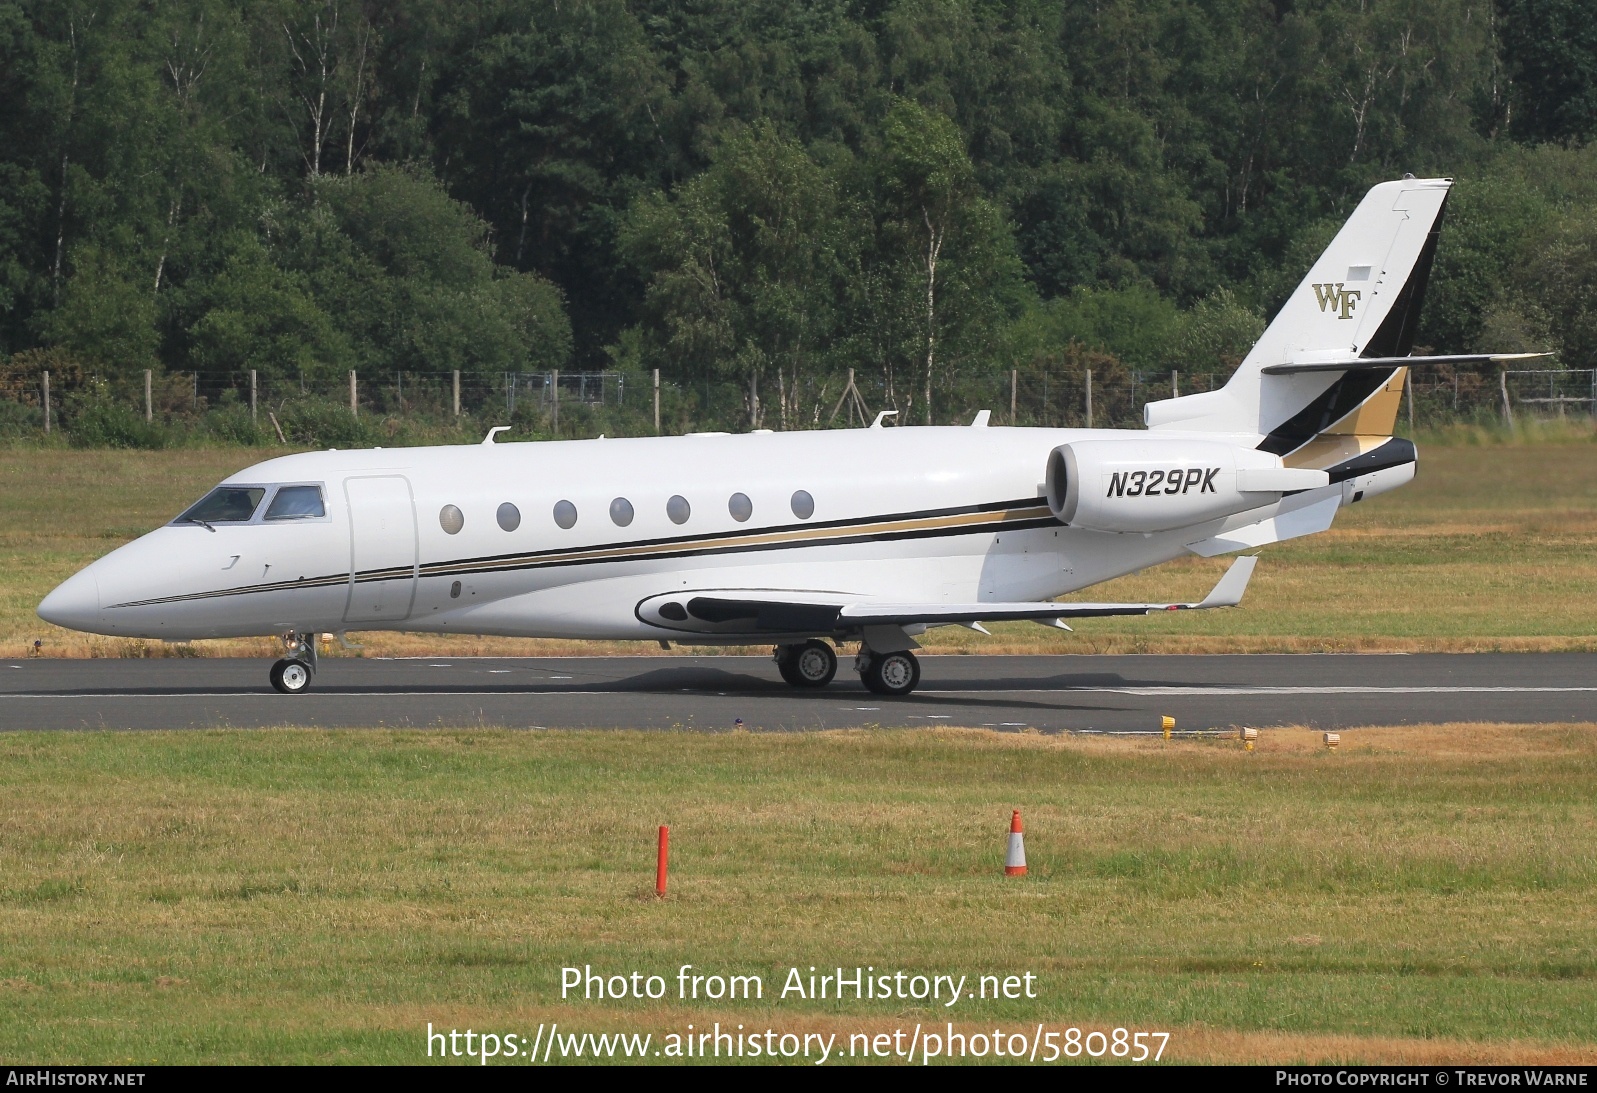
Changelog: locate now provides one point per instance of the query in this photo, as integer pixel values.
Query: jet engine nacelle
(1157, 485)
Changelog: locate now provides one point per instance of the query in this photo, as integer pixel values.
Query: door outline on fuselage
(380, 614)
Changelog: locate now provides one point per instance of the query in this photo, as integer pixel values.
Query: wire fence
(297, 408)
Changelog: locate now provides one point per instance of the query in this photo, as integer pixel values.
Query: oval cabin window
(451, 519)
(565, 514)
(740, 507)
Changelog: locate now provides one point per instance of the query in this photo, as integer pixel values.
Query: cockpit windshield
(224, 505)
(296, 503)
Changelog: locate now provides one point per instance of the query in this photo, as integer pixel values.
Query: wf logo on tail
(1338, 299)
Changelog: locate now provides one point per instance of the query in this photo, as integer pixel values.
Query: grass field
(1423, 894)
(1493, 547)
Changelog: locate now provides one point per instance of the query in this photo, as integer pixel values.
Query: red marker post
(660, 862)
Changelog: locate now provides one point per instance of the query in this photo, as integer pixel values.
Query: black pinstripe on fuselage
(982, 519)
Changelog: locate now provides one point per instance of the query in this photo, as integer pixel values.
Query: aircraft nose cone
(75, 603)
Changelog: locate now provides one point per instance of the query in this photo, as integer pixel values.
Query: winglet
(1228, 592)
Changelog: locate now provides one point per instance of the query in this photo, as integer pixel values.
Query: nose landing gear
(292, 675)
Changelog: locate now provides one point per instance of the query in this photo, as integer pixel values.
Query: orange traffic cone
(1015, 863)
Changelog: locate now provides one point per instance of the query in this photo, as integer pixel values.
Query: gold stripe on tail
(1364, 428)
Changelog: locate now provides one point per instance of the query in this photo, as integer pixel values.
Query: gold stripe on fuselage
(994, 518)
(730, 543)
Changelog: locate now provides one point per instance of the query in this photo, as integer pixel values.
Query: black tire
(812, 664)
(892, 674)
(784, 663)
(291, 677)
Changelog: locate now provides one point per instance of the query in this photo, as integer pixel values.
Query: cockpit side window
(224, 505)
(296, 503)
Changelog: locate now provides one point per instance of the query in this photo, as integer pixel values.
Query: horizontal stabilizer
(1360, 364)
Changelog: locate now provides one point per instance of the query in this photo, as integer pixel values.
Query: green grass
(320, 896)
(1493, 546)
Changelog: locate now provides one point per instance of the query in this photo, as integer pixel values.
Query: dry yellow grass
(1422, 894)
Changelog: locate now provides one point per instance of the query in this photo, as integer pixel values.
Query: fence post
(555, 383)
(354, 406)
(46, 402)
(457, 392)
(656, 402)
(1508, 411)
(254, 387)
(1175, 388)
(1014, 383)
(1089, 398)
(149, 413)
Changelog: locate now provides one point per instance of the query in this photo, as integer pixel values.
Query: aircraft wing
(775, 611)
(1227, 593)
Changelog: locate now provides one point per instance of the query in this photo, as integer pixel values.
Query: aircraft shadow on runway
(981, 694)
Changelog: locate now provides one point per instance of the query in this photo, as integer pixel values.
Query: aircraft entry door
(382, 548)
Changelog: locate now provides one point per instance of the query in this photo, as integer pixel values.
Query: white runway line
(1144, 692)
(1338, 690)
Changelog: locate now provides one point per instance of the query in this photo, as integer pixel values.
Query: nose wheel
(812, 664)
(292, 675)
(891, 674)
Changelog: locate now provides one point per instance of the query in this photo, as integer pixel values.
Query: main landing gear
(813, 664)
(292, 675)
(890, 674)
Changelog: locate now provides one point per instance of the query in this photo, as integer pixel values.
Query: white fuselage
(928, 515)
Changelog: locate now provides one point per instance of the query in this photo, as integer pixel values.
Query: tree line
(765, 195)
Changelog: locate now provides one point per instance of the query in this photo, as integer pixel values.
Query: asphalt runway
(1049, 693)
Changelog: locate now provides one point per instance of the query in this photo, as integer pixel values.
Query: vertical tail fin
(1361, 299)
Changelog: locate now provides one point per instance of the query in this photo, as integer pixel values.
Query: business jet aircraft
(808, 539)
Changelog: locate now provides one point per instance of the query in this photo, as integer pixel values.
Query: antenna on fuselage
(495, 431)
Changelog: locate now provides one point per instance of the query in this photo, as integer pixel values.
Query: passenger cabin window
(296, 503)
(224, 505)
